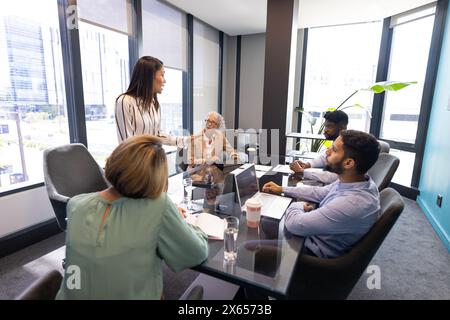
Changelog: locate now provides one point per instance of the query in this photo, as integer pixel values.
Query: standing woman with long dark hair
(137, 110)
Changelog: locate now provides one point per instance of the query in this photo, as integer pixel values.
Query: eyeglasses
(211, 122)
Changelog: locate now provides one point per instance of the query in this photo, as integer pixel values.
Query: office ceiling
(240, 17)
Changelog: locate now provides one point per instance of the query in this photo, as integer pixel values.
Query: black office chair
(384, 169)
(384, 146)
(70, 170)
(44, 288)
(47, 286)
(181, 163)
(317, 278)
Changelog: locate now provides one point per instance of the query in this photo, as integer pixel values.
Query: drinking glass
(230, 238)
(187, 183)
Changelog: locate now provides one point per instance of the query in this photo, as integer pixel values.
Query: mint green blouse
(124, 260)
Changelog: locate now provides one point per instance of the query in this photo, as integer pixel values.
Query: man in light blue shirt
(347, 208)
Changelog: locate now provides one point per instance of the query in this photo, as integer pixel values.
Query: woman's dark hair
(338, 117)
(361, 147)
(141, 84)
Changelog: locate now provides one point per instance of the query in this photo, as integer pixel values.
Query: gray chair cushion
(384, 169)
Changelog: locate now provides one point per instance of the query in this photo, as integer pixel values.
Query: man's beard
(331, 137)
(337, 168)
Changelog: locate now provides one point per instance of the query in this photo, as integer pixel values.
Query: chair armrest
(59, 197)
(45, 288)
(196, 293)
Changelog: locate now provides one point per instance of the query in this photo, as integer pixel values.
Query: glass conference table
(266, 255)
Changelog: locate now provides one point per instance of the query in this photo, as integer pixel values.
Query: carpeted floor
(412, 260)
(414, 264)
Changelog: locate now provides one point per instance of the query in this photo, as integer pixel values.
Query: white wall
(22, 210)
(251, 81)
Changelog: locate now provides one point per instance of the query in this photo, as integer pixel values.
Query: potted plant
(376, 88)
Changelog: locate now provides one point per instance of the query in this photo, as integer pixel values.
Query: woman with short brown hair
(118, 238)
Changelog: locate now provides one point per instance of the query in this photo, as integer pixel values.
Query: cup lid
(255, 203)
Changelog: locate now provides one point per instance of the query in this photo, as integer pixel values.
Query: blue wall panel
(435, 177)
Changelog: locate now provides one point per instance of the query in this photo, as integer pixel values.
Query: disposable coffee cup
(253, 209)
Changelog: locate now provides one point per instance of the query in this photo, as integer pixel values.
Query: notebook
(210, 224)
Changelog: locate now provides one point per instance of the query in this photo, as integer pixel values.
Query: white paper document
(262, 168)
(283, 169)
(259, 174)
(210, 224)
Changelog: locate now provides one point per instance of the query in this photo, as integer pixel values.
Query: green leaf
(357, 105)
(378, 87)
(389, 86)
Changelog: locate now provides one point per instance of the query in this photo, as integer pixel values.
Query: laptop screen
(247, 184)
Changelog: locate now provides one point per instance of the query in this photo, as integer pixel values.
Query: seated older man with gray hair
(210, 144)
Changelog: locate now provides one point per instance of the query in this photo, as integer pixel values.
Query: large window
(33, 114)
(105, 68)
(171, 101)
(409, 57)
(165, 38)
(206, 72)
(411, 39)
(340, 60)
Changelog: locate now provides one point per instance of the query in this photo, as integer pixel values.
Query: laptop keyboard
(269, 204)
(265, 201)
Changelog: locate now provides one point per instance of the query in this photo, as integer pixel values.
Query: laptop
(247, 186)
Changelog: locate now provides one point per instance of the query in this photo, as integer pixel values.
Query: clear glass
(206, 72)
(409, 58)
(340, 60)
(33, 111)
(230, 238)
(171, 101)
(187, 183)
(403, 175)
(104, 59)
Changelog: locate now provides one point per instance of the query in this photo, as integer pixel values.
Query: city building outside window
(33, 112)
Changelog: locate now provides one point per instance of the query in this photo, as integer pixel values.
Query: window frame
(428, 90)
(73, 81)
(378, 101)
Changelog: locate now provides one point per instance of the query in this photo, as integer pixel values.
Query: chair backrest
(44, 288)
(384, 146)
(318, 278)
(384, 169)
(181, 160)
(70, 170)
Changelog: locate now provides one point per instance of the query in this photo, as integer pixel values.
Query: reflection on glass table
(266, 256)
